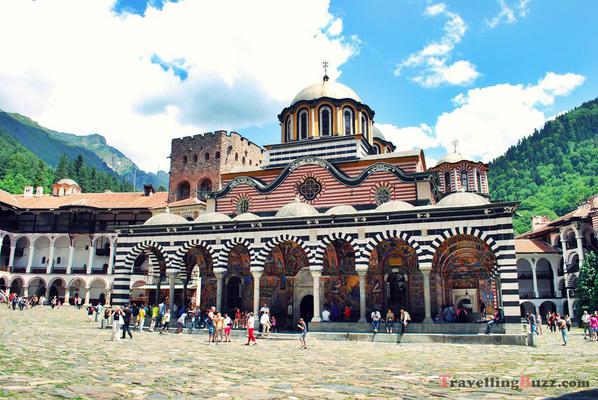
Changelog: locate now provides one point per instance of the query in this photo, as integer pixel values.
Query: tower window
(348, 118)
(325, 121)
(217, 155)
(364, 125)
(303, 128)
(207, 156)
(184, 159)
(464, 180)
(288, 129)
(194, 158)
(243, 161)
(478, 180)
(447, 182)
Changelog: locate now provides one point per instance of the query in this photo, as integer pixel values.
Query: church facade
(331, 217)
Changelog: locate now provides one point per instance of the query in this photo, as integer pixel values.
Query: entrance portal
(234, 294)
(307, 308)
(397, 293)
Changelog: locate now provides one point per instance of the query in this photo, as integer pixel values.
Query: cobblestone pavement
(58, 354)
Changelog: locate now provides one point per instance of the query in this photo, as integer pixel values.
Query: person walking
(90, 311)
(141, 318)
(155, 316)
(375, 315)
(568, 322)
(531, 319)
(219, 333)
(181, 322)
(250, 329)
(98, 310)
(585, 323)
(405, 320)
(562, 325)
(211, 324)
(116, 323)
(127, 314)
(54, 301)
(594, 326)
(106, 318)
(303, 328)
(539, 322)
(389, 321)
(265, 323)
(165, 321)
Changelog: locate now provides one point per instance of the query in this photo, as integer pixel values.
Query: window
(447, 182)
(303, 128)
(236, 156)
(348, 118)
(58, 260)
(183, 190)
(478, 177)
(207, 156)
(43, 260)
(184, 159)
(364, 125)
(382, 195)
(243, 161)
(242, 205)
(218, 155)
(288, 129)
(377, 149)
(310, 188)
(194, 158)
(464, 179)
(205, 186)
(325, 121)
(250, 162)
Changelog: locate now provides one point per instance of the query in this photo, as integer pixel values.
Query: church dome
(297, 209)
(326, 88)
(166, 219)
(246, 217)
(394, 205)
(212, 217)
(67, 181)
(451, 158)
(342, 209)
(462, 199)
(378, 134)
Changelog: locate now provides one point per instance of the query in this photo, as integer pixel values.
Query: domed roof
(342, 209)
(326, 88)
(166, 219)
(212, 217)
(246, 217)
(378, 134)
(394, 205)
(296, 209)
(451, 158)
(67, 181)
(461, 199)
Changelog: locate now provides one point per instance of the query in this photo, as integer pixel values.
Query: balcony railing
(541, 295)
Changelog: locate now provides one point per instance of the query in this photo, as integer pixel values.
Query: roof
(326, 88)
(67, 181)
(533, 246)
(461, 199)
(166, 219)
(450, 158)
(191, 201)
(378, 134)
(95, 200)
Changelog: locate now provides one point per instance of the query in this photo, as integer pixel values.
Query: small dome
(461, 199)
(326, 88)
(394, 205)
(297, 209)
(212, 217)
(166, 219)
(450, 158)
(246, 217)
(67, 181)
(342, 209)
(378, 134)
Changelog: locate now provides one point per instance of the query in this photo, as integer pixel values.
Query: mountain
(49, 145)
(553, 170)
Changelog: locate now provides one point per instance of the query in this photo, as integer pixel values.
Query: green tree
(62, 169)
(587, 285)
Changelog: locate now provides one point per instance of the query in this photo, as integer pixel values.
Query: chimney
(539, 221)
(39, 191)
(28, 191)
(148, 189)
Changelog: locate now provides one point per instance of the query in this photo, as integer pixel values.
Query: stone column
(11, 257)
(534, 278)
(87, 293)
(90, 257)
(69, 265)
(316, 272)
(171, 282)
(578, 238)
(219, 272)
(257, 273)
(30, 258)
(50, 258)
(111, 259)
(362, 271)
(564, 246)
(427, 306)
(67, 295)
(25, 291)
(198, 292)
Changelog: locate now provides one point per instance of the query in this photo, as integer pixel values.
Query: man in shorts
(211, 325)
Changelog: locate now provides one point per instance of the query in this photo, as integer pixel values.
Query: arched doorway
(238, 283)
(306, 308)
(204, 186)
(199, 275)
(5, 250)
(527, 307)
(183, 191)
(339, 279)
(397, 291)
(3, 284)
(37, 287)
(16, 286)
(97, 291)
(57, 288)
(234, 293)
(546, 307)
(77, 289)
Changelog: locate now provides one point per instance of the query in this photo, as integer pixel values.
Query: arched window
(388, 150)
(194, 158)
(183, 190)
(478, 178)
(377, 149)
(236, 156)
(250, 162)
(288, 129)
(205, 186)
(243, 161)
(364, 125)
(303, 128)
(43, 259)
(217, 155)
(325, 121)
(58, 260)
(207, 156)
(447, 182)
(464, 180)
(348, 120)
(184, 159)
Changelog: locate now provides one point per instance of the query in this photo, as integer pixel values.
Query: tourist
(562, 325)
(53, 303)
(334, 313)
(250, 329)
(228, 325)
(531, 319)
(21, 303)
(106, 318)
(237, 320)
(264, 309)
(451, 315)
(347, 313)
(594, 326)
(98, 311)
(162, 307)
(155, 316)
(568, 322)
(585, 323)
(90, 311)
(462, 314)
(405, 320)
(181, 322)
(78, 300)
(116, 323)
(273, 324)
(375, 315)
(141, 318)
(265, 323)
(211, 325)
(303, 328)
(498, 318)
(539, 322)
(127, 322)
(165, 321)
(325, 315)
(389, 321)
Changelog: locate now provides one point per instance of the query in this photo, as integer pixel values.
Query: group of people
(450, 314)
(389, 320)
(335, 314)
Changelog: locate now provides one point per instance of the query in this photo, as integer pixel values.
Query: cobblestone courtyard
(56, 353)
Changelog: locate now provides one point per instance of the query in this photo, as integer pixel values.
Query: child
(219, 327)
(273, 323)
(303, 327)
(228, 325)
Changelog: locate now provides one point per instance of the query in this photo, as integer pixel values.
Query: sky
(141, 72)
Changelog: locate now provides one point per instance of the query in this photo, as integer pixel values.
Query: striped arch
(323, 245)
(229, 245)
(387, 235)
(179, 256)
(143, 247)
(260, 259)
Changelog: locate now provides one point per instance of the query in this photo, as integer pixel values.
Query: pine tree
(62, 169)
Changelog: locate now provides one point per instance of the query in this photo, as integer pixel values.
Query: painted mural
(339, 280)
(239, 263)
(197, 257)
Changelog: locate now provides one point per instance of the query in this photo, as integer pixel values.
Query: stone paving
(58, 354)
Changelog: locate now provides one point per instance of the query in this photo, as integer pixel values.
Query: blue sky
(484, 73)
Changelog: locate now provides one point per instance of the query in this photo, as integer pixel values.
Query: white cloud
(79, 67)
(509, 13)
(486, 121)
(433, 63)
(408, 138)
